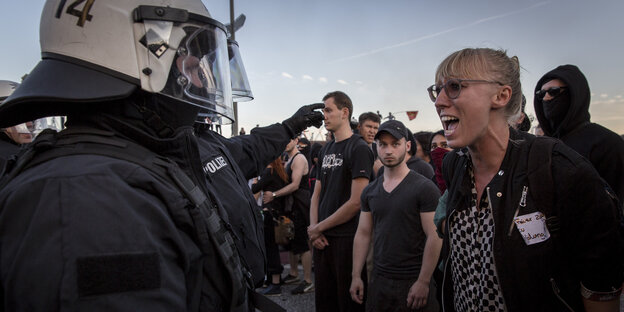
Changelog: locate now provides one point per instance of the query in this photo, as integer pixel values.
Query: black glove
(305, 117)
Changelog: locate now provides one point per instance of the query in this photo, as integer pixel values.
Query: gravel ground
(294, 303)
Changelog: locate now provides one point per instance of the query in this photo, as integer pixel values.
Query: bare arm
(418, 294)
(299, 168)
(347, 211)
(361, 242)
(602, 306)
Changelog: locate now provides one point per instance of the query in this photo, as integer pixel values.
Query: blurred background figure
(297, 208)
(314, 154)
(18, 135)
(521, 121)
(423, 145)
(11, 138)
(538, 130)
(272, 179)
(439, 148)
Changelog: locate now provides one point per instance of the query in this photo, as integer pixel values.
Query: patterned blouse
(473, 271)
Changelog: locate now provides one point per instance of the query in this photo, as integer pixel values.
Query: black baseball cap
(393, 127)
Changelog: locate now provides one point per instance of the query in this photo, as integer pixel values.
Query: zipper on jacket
(525, 190)
(557, 291)
(446, 263)
(500, 285)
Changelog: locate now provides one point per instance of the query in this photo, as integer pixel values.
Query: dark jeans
(332, 276)
(390, 294)
(274, 264)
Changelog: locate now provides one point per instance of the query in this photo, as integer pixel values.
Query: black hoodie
(601, 146)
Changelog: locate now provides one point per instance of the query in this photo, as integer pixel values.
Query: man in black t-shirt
(344, 170)
(398, 207)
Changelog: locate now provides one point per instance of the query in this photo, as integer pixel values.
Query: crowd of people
(382, 196)
(448, 219)
(138, 204)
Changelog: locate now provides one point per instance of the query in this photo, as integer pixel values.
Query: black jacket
(8, 148)
(586, 248)
(228, 165)
(90, 233)
(601, 146)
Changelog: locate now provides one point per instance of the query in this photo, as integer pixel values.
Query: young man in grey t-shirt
(398, 207)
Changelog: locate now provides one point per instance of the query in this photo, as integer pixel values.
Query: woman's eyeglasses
(453, 87)
(554, 91)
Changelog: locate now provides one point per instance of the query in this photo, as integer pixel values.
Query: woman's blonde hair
(486, 64)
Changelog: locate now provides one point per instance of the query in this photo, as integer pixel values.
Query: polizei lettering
(215, 164)
(331, 160)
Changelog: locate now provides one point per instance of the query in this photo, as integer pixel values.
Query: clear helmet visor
(241, 91)
(210, 118)
(200, 72)
(55, 123)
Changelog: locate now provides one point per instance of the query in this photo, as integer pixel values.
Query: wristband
(599, 295)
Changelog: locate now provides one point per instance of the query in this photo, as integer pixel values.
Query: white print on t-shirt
(532, 227)
(215, 164)
(331, 160)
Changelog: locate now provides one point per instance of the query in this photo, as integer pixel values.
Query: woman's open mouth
(449, 123)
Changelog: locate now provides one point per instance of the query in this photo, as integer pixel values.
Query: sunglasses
(453, 88)
(554, 91)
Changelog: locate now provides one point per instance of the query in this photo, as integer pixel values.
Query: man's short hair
(369, 116)
(341, 100)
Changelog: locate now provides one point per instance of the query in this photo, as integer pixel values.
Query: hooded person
(562, 109)
(116, 212)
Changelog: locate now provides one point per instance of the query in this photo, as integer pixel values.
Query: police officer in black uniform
(230, 163)
(88, 225)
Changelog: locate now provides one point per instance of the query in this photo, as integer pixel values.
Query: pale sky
(384, 54)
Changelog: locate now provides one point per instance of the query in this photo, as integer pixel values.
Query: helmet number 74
(83, 15)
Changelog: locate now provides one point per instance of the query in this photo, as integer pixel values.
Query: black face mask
(556, 109)
(164, 115)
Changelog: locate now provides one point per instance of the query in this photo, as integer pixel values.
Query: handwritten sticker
(532, 227)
